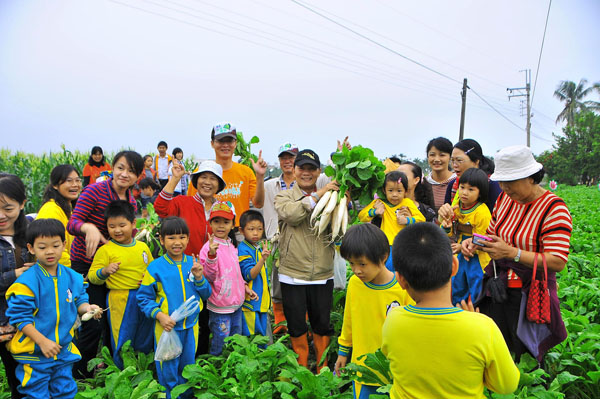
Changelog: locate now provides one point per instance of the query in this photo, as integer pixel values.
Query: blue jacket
(249, 255)
(49, 303)
(8, 265)
(168, 284)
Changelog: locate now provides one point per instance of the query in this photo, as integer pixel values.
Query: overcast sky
(128, 73)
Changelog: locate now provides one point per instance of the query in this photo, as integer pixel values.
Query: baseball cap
(209, 166)
(222, 209)
(307, 157)
(288, 148)
(222, 130)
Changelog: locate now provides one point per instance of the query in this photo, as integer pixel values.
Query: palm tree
(572, 95)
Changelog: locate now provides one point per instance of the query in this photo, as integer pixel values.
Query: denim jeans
(223, 326)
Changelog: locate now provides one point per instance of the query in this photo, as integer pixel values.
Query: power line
(541, 49)
(375, 42)
(212, 30)
(492, 107)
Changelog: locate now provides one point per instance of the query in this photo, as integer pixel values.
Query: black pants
(316, 299)
(163, 183)
(10, 365)
(204, 331)
(506, 316)
(92, 332)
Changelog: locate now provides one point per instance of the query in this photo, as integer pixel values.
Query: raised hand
(212, 245)
(178, 170)
(343, 144)
(260, 166)
(197, 268)
(266, 252)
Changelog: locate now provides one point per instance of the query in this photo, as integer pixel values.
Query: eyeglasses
(70, 180)
(225, 140)
(457, 161)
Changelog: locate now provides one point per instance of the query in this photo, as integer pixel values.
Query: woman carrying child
(59, 197)
(471, 216)
(396, 211)
(14, 260)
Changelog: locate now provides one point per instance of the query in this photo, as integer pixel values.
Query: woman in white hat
(527, 221)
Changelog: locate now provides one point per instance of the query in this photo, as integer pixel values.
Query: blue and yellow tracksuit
(255, 312)
(121, 297)
(166, 285)
(49, 303)
(468, 280)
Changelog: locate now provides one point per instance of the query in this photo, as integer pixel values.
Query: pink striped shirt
(543, 225)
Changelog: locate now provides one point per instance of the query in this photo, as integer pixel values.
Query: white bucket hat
(214, 168)
(514, 163)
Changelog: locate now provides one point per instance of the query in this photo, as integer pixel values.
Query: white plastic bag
(169, 345)
(339, 270)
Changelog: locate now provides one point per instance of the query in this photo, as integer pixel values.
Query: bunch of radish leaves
(242, 150)
(358, 171)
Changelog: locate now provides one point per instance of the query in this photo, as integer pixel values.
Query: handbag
(538, 301)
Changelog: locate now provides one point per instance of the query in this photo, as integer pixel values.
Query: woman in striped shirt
(88, 226)
(527, 221)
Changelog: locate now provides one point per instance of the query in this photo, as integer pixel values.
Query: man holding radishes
(306, 259)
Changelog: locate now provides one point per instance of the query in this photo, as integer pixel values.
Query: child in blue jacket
(43, 304)
(252, 264)
(169, 281)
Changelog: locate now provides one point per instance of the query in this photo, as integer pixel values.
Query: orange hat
(222, 209)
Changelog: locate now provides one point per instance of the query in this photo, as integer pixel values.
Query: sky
(128, 73)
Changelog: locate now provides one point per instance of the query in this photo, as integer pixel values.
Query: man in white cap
(242, 186)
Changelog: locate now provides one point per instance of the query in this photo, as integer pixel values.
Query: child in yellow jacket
(396, 211)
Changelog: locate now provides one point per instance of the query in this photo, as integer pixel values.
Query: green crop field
(571, 370)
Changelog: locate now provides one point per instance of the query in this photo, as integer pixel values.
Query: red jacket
(191, 209)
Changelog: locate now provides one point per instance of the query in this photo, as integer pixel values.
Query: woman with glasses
(59, 199)
(468, 154)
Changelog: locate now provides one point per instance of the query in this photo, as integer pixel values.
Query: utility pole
(461, 133)
(519, 90)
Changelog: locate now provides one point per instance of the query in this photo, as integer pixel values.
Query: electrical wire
(541, 50)
(375, 42)
(492, 107)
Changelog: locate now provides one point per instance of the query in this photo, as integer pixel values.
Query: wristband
(371, 212)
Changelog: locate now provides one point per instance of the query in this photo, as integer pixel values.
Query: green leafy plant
(243, 150)
(148, 231)
(136, 380)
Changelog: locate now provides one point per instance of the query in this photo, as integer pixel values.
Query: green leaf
(364, 174)
(329, 171)
(254, 140)
(338, 158)
(352, 165)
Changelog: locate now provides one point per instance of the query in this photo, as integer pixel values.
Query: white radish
(345, 221)
(320, 206)
(89, 315)
(338, 217)
(324, 222)
(331, 204)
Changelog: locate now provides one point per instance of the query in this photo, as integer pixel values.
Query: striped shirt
(543, 225)
(90, 209)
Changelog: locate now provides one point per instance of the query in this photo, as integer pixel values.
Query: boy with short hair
(43, 304)
(150, 190)
(121, 264)
(162, 161)
(437, 350)
(252, 259)
(372, 292)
